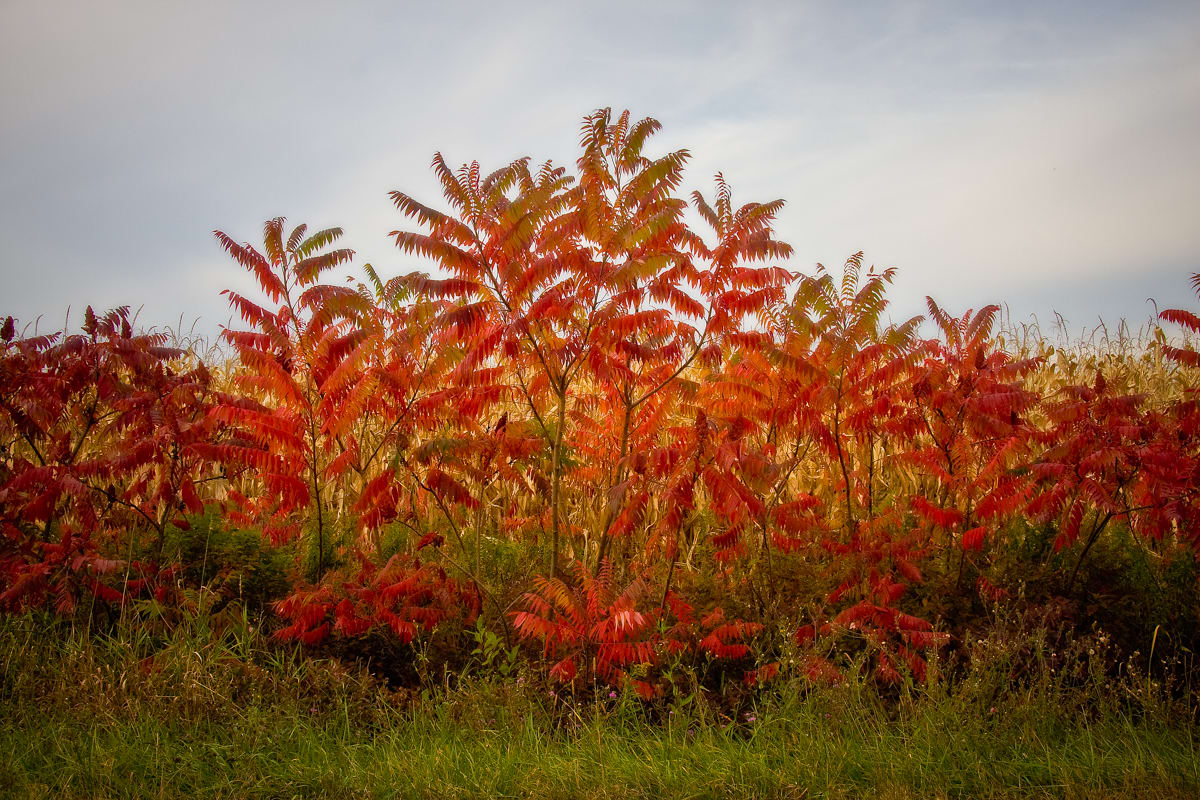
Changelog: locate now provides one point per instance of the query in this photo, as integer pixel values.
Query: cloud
(1072, 184)
(1024, 152)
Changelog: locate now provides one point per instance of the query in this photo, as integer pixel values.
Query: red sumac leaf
(564, 671)
(973, 539)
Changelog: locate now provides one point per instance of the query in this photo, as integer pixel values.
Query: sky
(1045, 156)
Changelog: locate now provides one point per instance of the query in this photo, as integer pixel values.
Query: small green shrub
(236, 564)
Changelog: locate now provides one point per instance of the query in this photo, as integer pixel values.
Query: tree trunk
(556, 480)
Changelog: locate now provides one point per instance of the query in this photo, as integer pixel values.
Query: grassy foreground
(784, 755)
(225, 716)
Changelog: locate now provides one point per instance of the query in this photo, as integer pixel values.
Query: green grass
(796, 754)
(225, 715)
